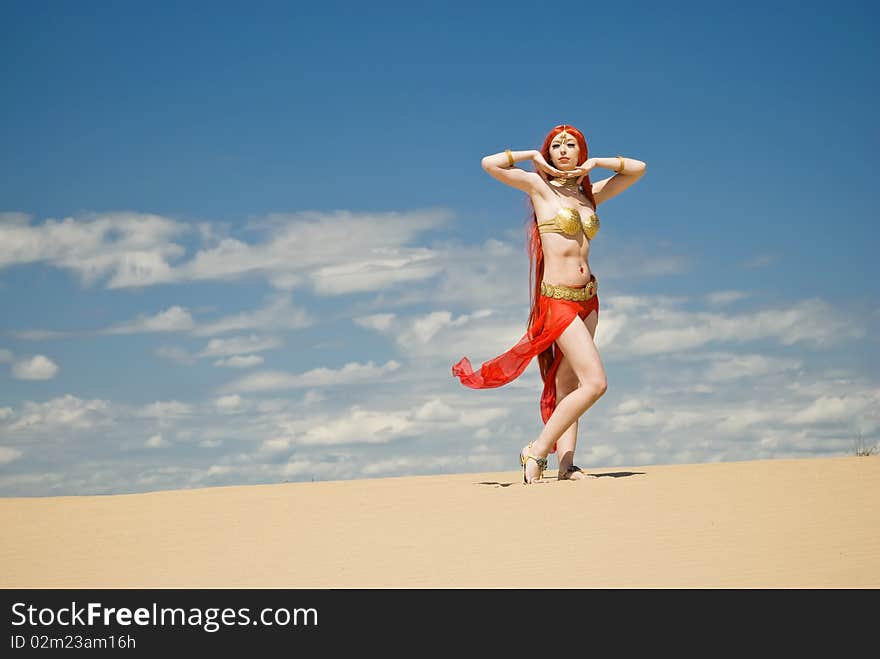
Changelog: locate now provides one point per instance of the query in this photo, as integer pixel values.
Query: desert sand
(805, 523)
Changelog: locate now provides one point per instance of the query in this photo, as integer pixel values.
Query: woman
(564, 299)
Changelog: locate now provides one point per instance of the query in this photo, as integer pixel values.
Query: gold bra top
(568, 221)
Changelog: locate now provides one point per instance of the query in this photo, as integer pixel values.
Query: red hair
(536, 253)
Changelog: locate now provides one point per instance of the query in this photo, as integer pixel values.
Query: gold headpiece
(563, 135)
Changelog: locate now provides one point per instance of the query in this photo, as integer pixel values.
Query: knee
(596, 386)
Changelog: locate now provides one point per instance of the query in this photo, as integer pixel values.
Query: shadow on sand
(607, 474)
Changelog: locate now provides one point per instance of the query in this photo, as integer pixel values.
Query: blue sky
(245, 244)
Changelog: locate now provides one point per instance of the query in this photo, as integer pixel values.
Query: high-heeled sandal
(571, 470)
(542, 464)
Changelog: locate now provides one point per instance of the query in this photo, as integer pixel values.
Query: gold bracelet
(622, 164)
(510, 160)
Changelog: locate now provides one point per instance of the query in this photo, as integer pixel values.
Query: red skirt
(554, 316)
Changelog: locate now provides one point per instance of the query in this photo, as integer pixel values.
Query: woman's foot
(573, 473)
(533, 466)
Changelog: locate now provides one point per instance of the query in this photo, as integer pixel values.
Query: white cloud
(286, 281)
(165, 410)
(363, 425)
(350, 373)
(431, 464)
(66, 412)
(227, 259)
(838, 409)
(133, 249)
(495, 274)
(384, 268)
(725, 297)
(758, 261)
(665, 419)
(677, 404)
(14, 218)
(761, 420)
(7, 454)
(424, 328)
(41, 482)
(323, 470)
(358, 426)
(313, 397)
(480, 416)
(134, 268)
(373, 253)
(440, 333)
(275, 405)
(230, 403)
(597, 454)
(736, 419)
(664, 329)
(436, 410)
(276, 444)
(240, 361)
(631, 327)
(175, 354)
(156, 441)
(38, 367)
(380, 321)
(211, 472)
(652, 422)
(630, 406)
(279, 314)
(732, 366)
(236, 345)
(173, 319)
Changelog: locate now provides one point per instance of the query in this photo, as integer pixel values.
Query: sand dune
(774, 523)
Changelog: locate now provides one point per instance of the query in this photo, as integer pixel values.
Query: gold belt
(560, 292)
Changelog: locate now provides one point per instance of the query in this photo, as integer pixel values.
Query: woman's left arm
(621, 165)
(628, 171)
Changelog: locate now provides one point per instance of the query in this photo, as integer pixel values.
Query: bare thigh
(566, 378)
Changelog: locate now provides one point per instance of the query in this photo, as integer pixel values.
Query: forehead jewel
(563, 135)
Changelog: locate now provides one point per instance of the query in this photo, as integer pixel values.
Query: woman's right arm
(498, 166)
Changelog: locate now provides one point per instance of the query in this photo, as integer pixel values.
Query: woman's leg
(566, 382)
(579, 349)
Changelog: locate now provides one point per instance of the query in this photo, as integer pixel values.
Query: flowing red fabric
(554, 316)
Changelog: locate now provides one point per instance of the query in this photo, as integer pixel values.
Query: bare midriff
(566, 258)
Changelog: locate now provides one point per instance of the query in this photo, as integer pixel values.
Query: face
(564, 151)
